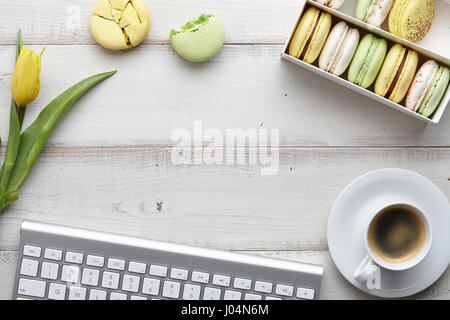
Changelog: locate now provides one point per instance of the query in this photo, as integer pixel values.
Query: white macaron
(335, 4)
(339, 49)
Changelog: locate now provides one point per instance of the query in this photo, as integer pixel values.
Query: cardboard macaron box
(375, 52)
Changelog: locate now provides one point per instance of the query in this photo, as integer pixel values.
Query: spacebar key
(31, 288)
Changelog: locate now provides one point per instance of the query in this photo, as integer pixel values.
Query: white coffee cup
(372, 262)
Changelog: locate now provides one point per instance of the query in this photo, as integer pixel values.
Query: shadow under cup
(399, 235)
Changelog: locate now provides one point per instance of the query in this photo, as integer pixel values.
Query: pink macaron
(428, 88)
(420, 85)
(374, 12)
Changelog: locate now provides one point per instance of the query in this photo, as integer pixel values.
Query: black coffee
(397, 234)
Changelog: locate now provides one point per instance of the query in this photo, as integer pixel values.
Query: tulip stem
(20, 115)
(13, 143)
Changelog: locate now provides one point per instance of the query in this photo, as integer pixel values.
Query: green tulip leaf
(7, 198)
(33, 139)
(23, 149)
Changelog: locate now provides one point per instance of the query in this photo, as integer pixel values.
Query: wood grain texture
(138, 191)
(155, 92)
(252, 21)
(107, 166)
(334, 286)
(51, 22)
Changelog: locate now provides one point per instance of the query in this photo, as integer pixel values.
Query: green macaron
(367, 61)
(436, 92)
(200, 39)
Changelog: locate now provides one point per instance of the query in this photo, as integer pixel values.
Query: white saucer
(355, 203)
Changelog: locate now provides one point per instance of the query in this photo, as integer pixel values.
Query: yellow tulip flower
(25, 83)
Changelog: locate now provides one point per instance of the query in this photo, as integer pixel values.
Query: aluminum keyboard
(62, 263)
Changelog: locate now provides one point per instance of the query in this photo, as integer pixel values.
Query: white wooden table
(107, 166)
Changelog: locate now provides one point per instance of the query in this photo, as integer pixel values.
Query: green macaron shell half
(200, 39)
(367, 61)
(202, 19)
(362, 9)
(436, 92)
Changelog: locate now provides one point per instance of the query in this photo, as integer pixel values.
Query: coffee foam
(397, 234)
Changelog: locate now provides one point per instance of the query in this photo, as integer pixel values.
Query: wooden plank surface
(155, 92)
(221, 206)
(51, 22)
(253, 21)
(107, 166)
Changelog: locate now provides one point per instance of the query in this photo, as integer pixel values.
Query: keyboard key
(200, 277)
(171, 289)
(251, 296)
(90, 277)
(70, 274)
(32, 288)
(138, 298)
(283, 290)
(151, 286)
(95, 261)
(211, 294)
(232, 295)
(31, 251)
(191, 292)
(22, 298)
(305, 293)
(110, 280)
(77, 293)
(137, 267)
(243, 284)
(117, 296)
(272, 298)
(130, 283)
(158, 271)
(49, 271)
(95, 294)
(29, 267)
(264, 287)
(222, 281)
(179, 274)
(116, 264)
(57, 291)
(74, 257)
(53, 254)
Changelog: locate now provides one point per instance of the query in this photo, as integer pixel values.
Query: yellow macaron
(397, 73)
(310, 35)
(411, 19)
(120, 24)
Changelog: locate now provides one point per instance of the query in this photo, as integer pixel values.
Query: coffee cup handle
(366, 270)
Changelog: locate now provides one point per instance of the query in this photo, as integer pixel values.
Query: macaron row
(408, 19)
(368, 61)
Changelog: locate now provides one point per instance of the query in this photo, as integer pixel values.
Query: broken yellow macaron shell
(120, 24)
